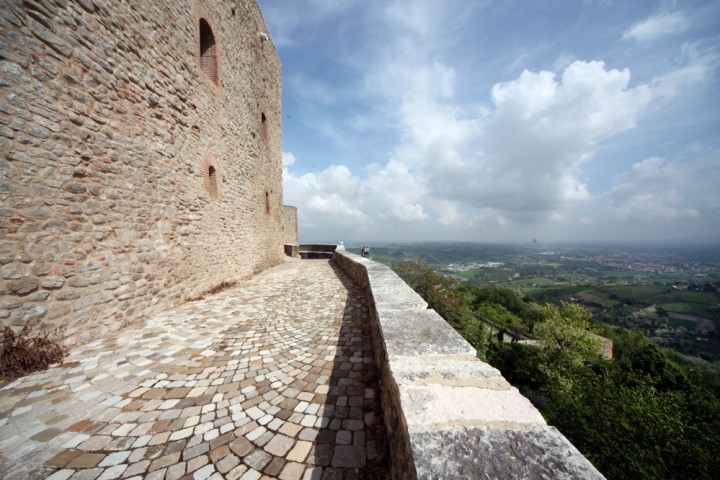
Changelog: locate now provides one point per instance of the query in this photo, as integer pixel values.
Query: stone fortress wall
(290, 215)
(140, 147)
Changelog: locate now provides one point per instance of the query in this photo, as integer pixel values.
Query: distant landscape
(669, 292)
(616, 345)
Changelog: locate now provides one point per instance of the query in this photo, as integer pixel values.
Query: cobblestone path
(273, 379)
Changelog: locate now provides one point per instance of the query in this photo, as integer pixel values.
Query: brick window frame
(207, 51)
(211, 178)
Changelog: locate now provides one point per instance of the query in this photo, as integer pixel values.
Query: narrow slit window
(208, 52)
(212, 182)
(267, 203)
(263, 126)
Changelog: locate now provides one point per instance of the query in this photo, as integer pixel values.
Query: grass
(534, 282)
(599, 297)
(707, 298)
(688, 325)
(697, 309)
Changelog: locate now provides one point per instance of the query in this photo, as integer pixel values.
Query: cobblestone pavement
(272, 379)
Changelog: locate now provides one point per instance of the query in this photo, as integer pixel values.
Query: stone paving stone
(197, 463)
(292, 471)
(273, 379)
(64, 457)
(137, 468)
(86, 460)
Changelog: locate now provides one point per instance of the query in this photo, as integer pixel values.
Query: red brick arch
(212, 178)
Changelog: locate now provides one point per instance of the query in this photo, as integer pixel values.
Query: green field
(688, 325)
(597, 296)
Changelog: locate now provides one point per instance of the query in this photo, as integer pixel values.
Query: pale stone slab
(421, 333)
(447, 371)
(437, 406)
(508, 454)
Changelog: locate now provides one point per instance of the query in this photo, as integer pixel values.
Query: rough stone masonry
(141, 157)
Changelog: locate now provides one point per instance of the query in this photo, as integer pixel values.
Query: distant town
(670, 293)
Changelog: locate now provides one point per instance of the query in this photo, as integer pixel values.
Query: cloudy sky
(500, 120)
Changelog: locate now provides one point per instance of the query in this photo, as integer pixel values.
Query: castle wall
(136, 171)
(291, 224)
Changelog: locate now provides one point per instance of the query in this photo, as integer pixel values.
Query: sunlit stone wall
(141, 157)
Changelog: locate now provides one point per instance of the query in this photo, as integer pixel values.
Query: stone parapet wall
(140, 147)
(290, 223)
(447, 414)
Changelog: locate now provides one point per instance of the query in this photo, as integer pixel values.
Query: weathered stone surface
(52, 282)
(421, 333)
(446, 371)
(490, 453)
(29, 313)
(23, 286)
(119, 156)
(435, 406)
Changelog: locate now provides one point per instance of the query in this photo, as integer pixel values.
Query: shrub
(23, 354)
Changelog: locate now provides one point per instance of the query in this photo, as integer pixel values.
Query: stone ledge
(433, 407)
(446, 371)
(421, 333)
(504, 454)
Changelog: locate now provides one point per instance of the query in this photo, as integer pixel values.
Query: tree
(564, 345)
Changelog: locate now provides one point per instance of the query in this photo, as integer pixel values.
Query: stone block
(421, 333)
(475, 452)
(440, 406)
(446, 371)
(23, 286)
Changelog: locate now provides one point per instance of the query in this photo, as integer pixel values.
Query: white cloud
(650, 191)
(660, 25)
(515, 162)
(523, 159)
(332, 193)
(456, 157)
(288, 159)
(448, 213)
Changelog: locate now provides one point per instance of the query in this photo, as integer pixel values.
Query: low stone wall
(317, 251)
(447, 414)
(292, 250)
(317, 247)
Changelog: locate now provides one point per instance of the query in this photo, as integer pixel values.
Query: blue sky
(496, 121)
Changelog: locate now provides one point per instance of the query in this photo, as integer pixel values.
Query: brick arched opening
(263, 126)
(211, 177)
(212, 182)
(208, 52)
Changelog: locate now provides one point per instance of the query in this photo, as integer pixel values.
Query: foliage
(499, 314)
(445, 295)
(564, 345)
(514, 301)
(23, 354)
(641, 415)
(646, 414)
